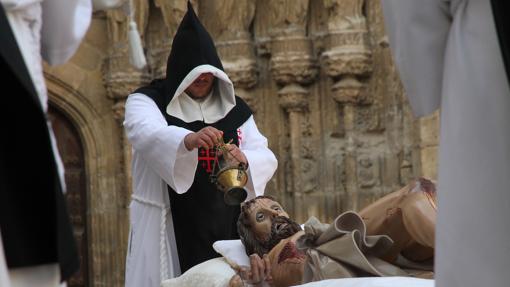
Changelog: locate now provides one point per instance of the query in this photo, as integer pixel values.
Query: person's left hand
(236, 153)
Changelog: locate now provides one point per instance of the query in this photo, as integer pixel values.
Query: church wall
(327, 96)
(318, 75)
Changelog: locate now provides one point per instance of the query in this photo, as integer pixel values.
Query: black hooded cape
(200, 215)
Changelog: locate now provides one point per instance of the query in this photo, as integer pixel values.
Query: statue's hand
(259, 271)
(235, 281)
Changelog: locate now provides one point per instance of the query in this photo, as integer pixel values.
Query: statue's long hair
(251, 244)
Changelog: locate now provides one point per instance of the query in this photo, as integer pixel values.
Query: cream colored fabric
(408, 217)
(343, 249)
(373, 282)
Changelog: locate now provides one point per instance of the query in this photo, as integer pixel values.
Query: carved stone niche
(348, 59)
(241, 67)
(347, 62)
(288, 17)
(309, 164)
(239, 62)
(157, 58)
(368, 169)
(121, 79)
(349, 90)
(293, 98)
(235, 46)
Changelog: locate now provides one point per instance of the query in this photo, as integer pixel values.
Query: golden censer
(229, 175)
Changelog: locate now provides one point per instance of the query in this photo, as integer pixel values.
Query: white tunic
(448, 54)
(157, 150)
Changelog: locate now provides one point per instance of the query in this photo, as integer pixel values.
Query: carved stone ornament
(349, 90)
(242, 72)
(292, 61)
(288, 17)
(345, 15)
(173, 12)
(239, 62)
(347, 55)
(121, 79)
(293, 98)
(233, 19)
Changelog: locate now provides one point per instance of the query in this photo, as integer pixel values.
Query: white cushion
(233, 251)
(373, 282)
(211, 273)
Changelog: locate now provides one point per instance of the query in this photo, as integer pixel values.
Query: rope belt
(163, 261)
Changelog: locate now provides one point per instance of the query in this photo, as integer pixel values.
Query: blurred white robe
(448, 55)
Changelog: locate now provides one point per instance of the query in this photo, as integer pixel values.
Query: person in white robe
(176, 213)
(33, 30)
(448, 56)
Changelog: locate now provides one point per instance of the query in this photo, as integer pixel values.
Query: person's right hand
(207, 137)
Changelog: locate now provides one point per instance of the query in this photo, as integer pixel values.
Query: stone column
(293, 100)
(119, 88)
(427, 145)
(347, 60)
(293, 67)
(120, 78)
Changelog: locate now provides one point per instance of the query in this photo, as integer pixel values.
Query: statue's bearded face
(266, 222)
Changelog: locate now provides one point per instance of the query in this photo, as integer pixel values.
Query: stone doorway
(71, 151)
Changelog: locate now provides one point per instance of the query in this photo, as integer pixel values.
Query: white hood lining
(213, 108)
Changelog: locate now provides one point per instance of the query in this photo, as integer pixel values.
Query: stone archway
(105, 182)
(71, 151)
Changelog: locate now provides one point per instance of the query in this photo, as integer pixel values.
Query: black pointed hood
(193, 53)
(192, 46)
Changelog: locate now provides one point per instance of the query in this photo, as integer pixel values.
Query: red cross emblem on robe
(206, 159)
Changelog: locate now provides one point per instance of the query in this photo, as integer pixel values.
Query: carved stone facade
(317, 73)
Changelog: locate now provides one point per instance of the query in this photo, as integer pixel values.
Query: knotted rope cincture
(163, 261)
